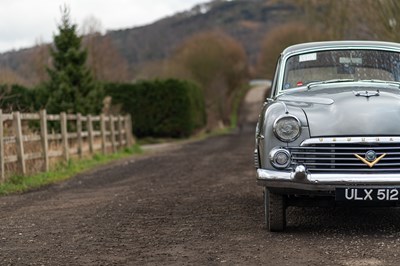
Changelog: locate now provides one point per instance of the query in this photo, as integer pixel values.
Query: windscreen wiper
(309, 85)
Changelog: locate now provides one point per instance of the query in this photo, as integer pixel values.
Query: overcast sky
(24, 22)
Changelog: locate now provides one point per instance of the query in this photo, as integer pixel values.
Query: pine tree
(71, 88)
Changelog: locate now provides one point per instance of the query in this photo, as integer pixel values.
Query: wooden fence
(72, 135)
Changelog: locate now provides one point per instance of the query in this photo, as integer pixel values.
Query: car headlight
(280, 158)
(287, 128)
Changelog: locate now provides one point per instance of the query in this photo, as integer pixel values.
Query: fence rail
(76, 135)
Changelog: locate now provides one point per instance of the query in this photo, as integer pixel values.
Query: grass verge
(18, 183)
(237, 101)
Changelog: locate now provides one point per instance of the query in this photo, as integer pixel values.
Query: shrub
(19, 98)
(218, 63)
(16, 98)
(161, 108)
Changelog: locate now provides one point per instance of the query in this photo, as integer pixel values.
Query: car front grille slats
(256, 161)
(340, 158)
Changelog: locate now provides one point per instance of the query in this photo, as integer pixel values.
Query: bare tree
(337, 19)
(219, 64)
(382, 17)
(103, 58)
(10, 77)
(40, 60)
(278, 39)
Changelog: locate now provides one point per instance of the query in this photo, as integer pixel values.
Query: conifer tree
(71, 88)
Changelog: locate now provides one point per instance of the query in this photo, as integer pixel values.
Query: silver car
(329, 133)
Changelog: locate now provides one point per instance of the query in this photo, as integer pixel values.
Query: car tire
(275, 211)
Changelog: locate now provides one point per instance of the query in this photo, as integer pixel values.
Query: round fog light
(280, 158)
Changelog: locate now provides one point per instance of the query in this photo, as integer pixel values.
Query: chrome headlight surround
(292, 127)
(280, 158)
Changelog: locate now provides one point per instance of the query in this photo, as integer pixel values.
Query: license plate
(367, 194)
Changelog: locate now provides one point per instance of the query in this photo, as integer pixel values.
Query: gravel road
(191, 204)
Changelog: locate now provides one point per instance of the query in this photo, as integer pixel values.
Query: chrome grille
(330, 157)
(256, 161)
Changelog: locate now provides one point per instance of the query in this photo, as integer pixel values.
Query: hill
(246, 20)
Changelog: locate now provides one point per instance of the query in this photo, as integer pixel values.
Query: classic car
(329, 132)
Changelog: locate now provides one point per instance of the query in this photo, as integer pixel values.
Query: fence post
(128, 141)
(79, 133)
(64, 134)
(44, 139)
(112, 128)
(103, 133)
(128, 130)
(120, 134)
(19, 141)
(1, 147)
(90, 132)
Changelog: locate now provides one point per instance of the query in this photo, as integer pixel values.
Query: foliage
(280, 38)
(381, 18)
(19, 98)
(160, 108)
(16, 98)
(219, 64)
(71, 86)
(238, 99)
(333, 18)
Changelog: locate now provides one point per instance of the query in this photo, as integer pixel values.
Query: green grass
(238, 99)
(153, 140)
(18, 183)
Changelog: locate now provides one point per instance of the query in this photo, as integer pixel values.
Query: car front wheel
(275, 211)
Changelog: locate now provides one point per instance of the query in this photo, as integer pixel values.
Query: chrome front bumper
(301, 180)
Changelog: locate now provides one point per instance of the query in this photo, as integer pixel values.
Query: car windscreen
(341, 64)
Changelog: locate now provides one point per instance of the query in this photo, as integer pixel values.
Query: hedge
(161, 108)
(19, 98)
(16, 98)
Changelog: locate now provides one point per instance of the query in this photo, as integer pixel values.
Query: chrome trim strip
(352, 171)
(345, 140)
(290, 98)
(355, 178)
(285, 106)
(343, 149)
(328, 154)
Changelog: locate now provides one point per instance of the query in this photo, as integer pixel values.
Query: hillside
(246, 20)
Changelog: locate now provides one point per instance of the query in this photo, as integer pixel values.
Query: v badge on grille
(370, 164)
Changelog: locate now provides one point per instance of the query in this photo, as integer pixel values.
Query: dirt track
(195, 204)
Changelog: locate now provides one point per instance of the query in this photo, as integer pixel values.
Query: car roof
(329, 45)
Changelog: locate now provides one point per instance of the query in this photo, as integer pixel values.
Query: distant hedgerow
(161, 108)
